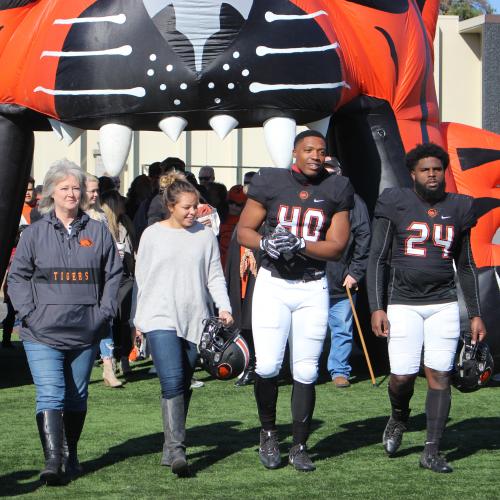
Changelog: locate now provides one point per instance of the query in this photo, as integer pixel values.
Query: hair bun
(166, 180)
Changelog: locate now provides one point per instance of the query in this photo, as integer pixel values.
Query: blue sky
(496, 5)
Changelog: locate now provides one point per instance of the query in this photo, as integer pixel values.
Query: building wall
(491, 77)
(457, 73)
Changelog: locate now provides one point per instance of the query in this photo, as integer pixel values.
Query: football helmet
(473, 366)
(223, 351)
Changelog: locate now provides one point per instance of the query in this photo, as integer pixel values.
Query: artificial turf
(121, 443)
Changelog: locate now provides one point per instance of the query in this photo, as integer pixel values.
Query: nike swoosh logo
(317, 201)
(446, 217)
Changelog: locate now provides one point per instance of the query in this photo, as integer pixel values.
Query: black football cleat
(248, 378)
(269, 451)
(299, 458)
(393, 435)
(435, 463)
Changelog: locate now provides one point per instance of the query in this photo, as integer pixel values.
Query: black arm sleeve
(467, 275)
(360, 228)
(378, 262)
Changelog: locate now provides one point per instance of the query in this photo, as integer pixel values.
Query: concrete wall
(458, 73)
(491, 76)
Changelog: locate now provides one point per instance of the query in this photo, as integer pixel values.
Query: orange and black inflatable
(361, 69)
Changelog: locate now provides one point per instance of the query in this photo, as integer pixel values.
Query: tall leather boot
(73, 425)
(165, 458)
(187, 400)
(50, 428)
(177, 423)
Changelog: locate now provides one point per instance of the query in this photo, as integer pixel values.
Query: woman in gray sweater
(179, 275)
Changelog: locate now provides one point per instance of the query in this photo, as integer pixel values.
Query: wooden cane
(358, 326)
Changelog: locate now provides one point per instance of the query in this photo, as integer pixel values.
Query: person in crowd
(217, 198)
(332, 165)
(154, 172)
(417, 236)
(38, 192)
(106, 184)
(63, 284)
(247, 178)
(157, 210)
(173, 163)
(139, 190)
(191, 178)
(236, 199)
(117, 182)
(306, 211)
(241, 271)
(143, 213)
(93, 207)
(206, 175)
(10, 319)
(106, 345)
(347, 272)
(30, 202)
(178, 266)
(122, 230)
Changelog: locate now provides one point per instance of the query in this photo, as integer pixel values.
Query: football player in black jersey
(417, 235)
(306, 215)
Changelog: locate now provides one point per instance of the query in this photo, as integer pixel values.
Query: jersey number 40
(307, 223)
(416, 244)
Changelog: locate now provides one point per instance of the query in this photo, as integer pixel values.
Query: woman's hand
(138, 334)
(226, 318)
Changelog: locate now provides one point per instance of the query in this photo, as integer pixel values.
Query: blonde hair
(173, 184)
(57, 172)
(113, 207)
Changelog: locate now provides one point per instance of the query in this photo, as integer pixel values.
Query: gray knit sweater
(177, 271)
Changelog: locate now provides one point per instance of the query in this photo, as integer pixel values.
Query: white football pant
(435, 326)
(291, 310)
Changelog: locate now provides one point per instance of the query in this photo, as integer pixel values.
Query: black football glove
(274, 244)
(292, 243)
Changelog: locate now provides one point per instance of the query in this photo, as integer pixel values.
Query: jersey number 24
(416, 244)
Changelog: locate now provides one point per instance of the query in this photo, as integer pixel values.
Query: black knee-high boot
(73, 426)
(50, 428)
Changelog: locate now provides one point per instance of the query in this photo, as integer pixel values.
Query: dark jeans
(174, 359)
(61, 377)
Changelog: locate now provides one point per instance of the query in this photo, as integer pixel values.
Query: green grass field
(121, 443)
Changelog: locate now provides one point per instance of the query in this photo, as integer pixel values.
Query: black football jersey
(425, 240)
(305, 207)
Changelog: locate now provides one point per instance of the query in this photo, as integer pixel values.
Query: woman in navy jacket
(63, 284)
